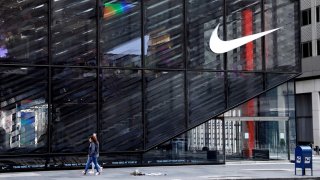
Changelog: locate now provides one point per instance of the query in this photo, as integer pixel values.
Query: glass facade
(141, 75)
(244, 18)
(263, 124)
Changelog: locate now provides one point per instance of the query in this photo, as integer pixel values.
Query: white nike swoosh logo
(218, 46)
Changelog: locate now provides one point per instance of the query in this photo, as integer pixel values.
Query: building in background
(308, 84)
(141, 75)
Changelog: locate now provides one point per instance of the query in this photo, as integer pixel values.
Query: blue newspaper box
(303, 159)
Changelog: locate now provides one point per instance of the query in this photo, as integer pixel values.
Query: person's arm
(97, 148)
(91, 149)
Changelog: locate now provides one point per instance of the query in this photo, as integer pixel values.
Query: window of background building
(304, 118)
(318, 14)
(306, 17)
(318, 47)
(306, 48)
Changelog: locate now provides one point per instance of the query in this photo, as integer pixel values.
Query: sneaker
(97, 173)
(91, 172)
(101, 168)
(84, 173)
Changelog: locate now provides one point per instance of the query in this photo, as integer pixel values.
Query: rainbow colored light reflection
(112, 9)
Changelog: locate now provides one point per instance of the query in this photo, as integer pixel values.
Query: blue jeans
(94, 160)
(97, 163)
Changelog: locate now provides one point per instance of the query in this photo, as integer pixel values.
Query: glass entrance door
(256, 139)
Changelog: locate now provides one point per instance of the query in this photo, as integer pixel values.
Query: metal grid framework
(144, 68)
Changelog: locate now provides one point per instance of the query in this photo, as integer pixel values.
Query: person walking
(94, 135)
(92, 155)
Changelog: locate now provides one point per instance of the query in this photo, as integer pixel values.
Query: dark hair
(94, 139)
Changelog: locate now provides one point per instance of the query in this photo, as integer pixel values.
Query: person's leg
(94, 160)
(99, 167)
(88, 164)
(98, 163)
(92, 169)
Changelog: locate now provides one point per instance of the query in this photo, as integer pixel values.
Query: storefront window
(24, 32)
(164, 33)
(23, 110)
(121, 33)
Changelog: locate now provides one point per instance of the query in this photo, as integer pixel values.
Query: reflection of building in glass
(159, 46)
(207, 136)
(28, 124)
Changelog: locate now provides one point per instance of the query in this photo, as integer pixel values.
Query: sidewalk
(232, 170)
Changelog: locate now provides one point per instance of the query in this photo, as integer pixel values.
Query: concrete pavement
(232, 170)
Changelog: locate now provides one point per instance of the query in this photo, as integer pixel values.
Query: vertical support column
(314, 26)
(206, 134)
(226, 81)
(223, 127)
(247, 16)
(143, 84)
(247, 26)
(316, 117)
(263, 46)
(287, 126)
(225, 61)
(295, 110)
(49, 86)
(185, 56)
(98, 14)
(215, 134)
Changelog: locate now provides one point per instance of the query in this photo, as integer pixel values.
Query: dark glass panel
(23, 32)
(306, 49)
(203, 16)
(74, 32)
(22, 163)
(276, 79)
(165, 110)
(306, 17)
(67, 162)
(202, 144)
(121, 118)
(275, 102)
(206, 95)
(268, 116)
(247, 109)
(120, 159)
(282, 46)
(23, 110)
(73, 109)
(304, 102)
(164, 33)
(243, 86)
(304, 130)
(292, 118)
(317, 14)
(121, 33)
(304, 118)
(318, 47)
(244, 18)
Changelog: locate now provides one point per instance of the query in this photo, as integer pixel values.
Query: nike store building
(160, 82)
